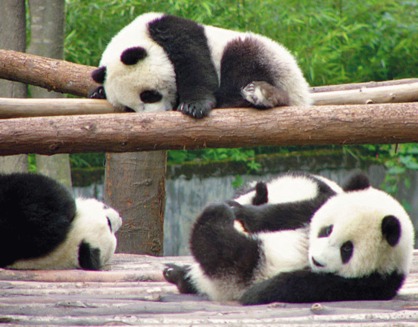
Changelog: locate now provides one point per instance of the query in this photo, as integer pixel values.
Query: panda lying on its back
(43, 227)
(159, 62)
(358, 246)
(253, 237)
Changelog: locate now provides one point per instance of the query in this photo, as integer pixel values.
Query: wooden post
(135, 185)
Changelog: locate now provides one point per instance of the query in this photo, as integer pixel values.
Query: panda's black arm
(275, 217)
(186, 45)
(219, 247)
(305, 286)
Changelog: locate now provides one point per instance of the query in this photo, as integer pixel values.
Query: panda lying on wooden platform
(356, 246)
(159, 62)
(43, 227)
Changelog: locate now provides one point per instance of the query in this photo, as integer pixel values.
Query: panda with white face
(357, 246)
(159, 62)
(43, 227)
(360, 248)
(254, 234)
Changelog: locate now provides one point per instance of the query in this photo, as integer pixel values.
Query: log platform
(131, 291)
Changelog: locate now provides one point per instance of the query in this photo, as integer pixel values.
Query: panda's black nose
(316, 263)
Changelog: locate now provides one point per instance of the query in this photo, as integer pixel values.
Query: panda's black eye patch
(150, 96)
(325, 231)
(132, 55)
(346, 251)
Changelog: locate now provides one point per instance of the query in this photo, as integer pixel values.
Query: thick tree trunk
(47, 39)
(13, 37)
(130, 132)
(136, 189)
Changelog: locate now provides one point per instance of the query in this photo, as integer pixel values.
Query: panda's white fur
(357, 217)
(124, 83)
(90, 225)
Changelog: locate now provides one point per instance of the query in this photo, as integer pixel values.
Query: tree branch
(130, 132)
(52, 74)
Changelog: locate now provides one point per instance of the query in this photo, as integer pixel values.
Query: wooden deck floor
(133, 292)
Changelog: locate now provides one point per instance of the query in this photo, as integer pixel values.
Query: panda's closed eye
(109, 223)
(325, 231)
(346, 251)
(150, 96)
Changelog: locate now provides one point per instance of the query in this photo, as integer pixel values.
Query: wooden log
(12, 108)
(382, 94)
(129, 132)
(52, 74)
(353, 86)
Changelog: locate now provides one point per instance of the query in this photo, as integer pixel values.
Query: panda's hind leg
(264, 95)
(219, 248)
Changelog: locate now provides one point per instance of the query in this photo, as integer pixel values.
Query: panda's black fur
(43, 227)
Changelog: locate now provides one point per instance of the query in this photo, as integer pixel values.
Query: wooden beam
(52, 74)
(367, 95)
(12, 108)
(130, 132)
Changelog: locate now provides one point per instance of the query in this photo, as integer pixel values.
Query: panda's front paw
(197, 109)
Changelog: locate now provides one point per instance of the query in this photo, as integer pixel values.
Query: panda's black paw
(197, 109)
(177, 275)
(97, 93)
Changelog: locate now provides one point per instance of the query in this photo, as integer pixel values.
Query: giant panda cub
(357, 246)
(159, 62)
(43, 227)
(277, 220)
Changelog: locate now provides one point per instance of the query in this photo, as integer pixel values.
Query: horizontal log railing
(130, 132)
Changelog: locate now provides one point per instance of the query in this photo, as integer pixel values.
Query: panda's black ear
(99, 74)
(132, 55)
(391, 230)
(356, 182)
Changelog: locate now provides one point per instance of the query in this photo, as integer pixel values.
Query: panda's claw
(197, 109)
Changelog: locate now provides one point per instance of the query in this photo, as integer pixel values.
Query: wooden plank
(73, 297)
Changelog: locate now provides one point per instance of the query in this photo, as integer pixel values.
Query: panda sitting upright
(160, 62)
(358, 246)
(43, 227)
